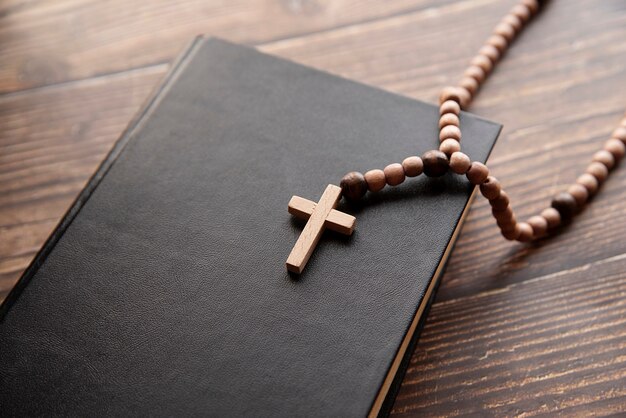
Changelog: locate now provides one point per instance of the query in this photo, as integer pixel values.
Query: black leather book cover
(164, 290)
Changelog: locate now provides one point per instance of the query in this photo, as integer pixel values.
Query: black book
(164, 291)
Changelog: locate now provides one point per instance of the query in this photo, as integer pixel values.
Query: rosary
(436, 163)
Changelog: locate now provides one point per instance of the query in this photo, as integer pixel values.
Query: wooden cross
(320, 215)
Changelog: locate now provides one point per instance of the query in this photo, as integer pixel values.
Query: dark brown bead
(353, 185)
(566, 205)
(435, 163)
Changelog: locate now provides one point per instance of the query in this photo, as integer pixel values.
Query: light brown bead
(459, 163)
(552, 217)
(604, 157)
(598, 170)
(448, 119)
(450, 131)
(465, 96)
(590, 183)
(511, 234)
(449, 93)
(470, 84)
(449, 146)
(498, 42)
(413, 166)
(505, 30)
(375, 180)
(353, 185)
(526, 232)
(394, 174)
(501, 202)
(490, 52)
(477, 173)
(476, 73)
(615, 147)
(515, 22)
(620, 133)
(579, 193)
(483, 62)
(449, 106)
(532, 5)
(539, 224)
(490, 188)
(522, 12)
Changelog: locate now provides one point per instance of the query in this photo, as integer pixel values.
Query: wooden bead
(502, 214)
(615, 147)
(598, 170)
(459, 162)
(525, 232)
(435, 163)
(353, 185)
(476, 73)
(506, 222)
(448, 119)
(620, 133)
(483, 62)
(514, 21)
(450, 131)
(465, 96)
(449, 93)
(470, 84)
(449, 106)
(511, 234)
(579, 193)
(375, 180)
(450, 146)
(590, 183)
(539, 224)
(604, 157)
(532, 5)
(498, 42)
(394, 174)
(490, 188)
(552, 217)
(490, 52)
(501, 202)
(566, 205)
(413, 166)
(505, 30)
(477, 173)
(522, 12)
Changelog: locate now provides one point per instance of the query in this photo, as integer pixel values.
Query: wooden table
(516, 329)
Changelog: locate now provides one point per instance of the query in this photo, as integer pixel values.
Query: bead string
(436, 163)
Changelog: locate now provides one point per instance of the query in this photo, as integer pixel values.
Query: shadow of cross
(321, 215)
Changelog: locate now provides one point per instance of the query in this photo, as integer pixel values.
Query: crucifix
(320, 215)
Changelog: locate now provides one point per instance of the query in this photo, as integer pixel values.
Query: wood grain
(515, 329)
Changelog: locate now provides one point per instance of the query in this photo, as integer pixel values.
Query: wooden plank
(53, 41)
(553, 343)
